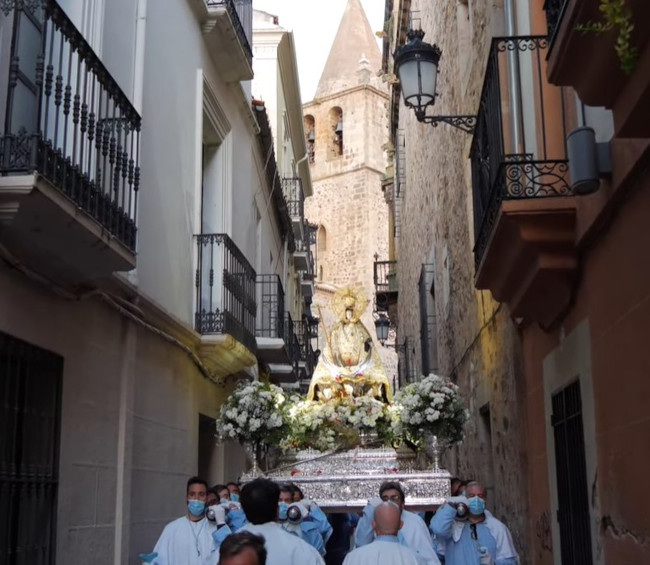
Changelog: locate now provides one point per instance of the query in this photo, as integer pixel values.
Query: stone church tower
(345, 126)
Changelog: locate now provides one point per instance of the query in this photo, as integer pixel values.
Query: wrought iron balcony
(554, 11)
(385, 278)
(295, 199)
(303, 258)
(270, 315)
(307, 284)
(225, 290)
(68, 126)
(518, 151)
(306, 332)
(277, 343)
(228, 28)
(524, 210)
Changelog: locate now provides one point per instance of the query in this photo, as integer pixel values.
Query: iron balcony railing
(554, 11)
(305, 333)
(241, 14)
(67, 119)
(294, 196)
(291, 340)
(518, 150)
(225, 290)
(385, 273)
(270, 315)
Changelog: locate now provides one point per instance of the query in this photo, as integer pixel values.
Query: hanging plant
(616, 16)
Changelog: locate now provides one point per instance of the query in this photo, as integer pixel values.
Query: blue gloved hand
(147, 557)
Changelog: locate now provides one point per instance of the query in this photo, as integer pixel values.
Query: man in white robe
(191, 539)
(413, 534)
(259, 500)
(386, 547)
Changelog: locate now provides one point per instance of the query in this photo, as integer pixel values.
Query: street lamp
(416, 64)
(382, 325)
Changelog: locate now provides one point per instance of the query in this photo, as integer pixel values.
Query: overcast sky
(314, 24)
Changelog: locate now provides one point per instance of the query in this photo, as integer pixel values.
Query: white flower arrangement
(337, 423)
(254, 413)
(431, 405)
(261, 414)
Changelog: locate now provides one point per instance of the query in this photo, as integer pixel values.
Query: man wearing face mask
(478, 539)
(192, 539)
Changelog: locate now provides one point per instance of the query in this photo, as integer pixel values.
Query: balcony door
(30, 416)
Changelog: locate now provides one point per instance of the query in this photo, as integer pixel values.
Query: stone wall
(478, 344)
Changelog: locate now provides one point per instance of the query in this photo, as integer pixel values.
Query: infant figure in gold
(349, 364)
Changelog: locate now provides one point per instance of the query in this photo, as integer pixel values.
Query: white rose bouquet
(254, 413)
(432, 405)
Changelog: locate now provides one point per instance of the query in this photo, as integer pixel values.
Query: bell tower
(345, 125)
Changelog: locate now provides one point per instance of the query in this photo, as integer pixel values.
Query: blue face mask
(224, 501)
(282, 510)
(196, 507)
(476, 505)
(234, 497)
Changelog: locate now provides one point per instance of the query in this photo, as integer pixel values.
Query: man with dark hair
(191, 539)
(413, 534)
(243, 548)
(234, 491)
(259, 499)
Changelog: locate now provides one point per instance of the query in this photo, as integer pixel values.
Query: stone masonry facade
(477, 341)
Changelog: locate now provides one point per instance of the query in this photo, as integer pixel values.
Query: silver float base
(345, 481)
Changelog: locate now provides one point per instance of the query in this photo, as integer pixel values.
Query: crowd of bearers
(267, 523)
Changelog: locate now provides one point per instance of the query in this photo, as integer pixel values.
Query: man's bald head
(388, 519)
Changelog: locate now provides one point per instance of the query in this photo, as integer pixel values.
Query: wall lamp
(416, 64)
(382, 327)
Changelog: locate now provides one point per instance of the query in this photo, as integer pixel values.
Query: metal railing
(270, 315)
(305, 333)
(291, 340)
(241, 14)
(225, 290)
(68, 120)
(385, 273)
(519, 149)
(554, 11)
(294, 196)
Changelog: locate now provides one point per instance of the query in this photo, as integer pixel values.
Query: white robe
(282, 547)
(183, 542)
(414, 534)
(385, 549)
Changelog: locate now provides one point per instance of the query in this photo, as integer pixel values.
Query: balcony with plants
(602, 50)
(69, 151)
(524, 208)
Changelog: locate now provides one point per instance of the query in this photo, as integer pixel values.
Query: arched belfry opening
(309, 124)
(336, 132)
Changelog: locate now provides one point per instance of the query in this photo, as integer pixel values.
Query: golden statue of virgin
(348, 364)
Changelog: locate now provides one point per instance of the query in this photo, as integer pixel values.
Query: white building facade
(136, 209)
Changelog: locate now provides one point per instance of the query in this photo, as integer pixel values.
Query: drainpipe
(514, 83)
(138, 67)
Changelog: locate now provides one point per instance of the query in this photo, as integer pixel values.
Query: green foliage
(618, 17)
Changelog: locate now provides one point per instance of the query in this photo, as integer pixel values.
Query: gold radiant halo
(345, 295)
